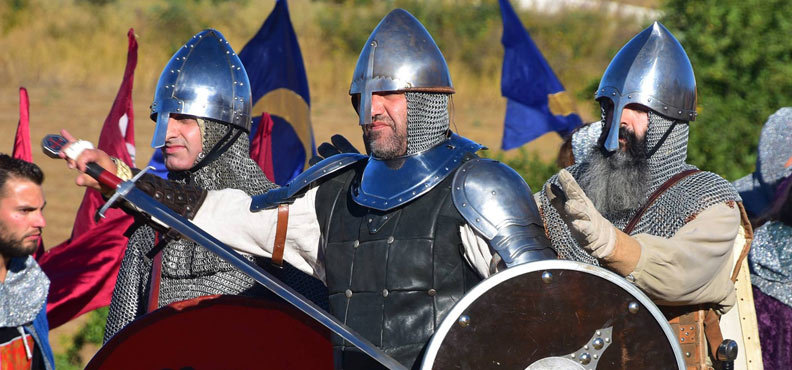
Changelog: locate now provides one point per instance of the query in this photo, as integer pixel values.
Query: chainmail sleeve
(131, 287)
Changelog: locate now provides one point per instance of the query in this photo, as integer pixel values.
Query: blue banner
(537, 102)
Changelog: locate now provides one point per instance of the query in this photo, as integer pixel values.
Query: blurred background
(70, 55)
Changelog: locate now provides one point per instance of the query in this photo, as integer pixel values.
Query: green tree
(742, 56)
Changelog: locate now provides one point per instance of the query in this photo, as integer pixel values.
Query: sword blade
(175, 221)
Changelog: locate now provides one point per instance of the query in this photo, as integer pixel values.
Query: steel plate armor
(652, 70)
(205, 78)
(400, 55)
(497, 203)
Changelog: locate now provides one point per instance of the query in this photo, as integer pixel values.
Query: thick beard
(618, 182)
(13, 248)
(383, 146)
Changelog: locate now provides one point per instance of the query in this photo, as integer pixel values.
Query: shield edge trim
(487, 284)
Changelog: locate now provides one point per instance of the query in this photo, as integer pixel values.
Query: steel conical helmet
(652, 70)
(205, 78)
(400, 55)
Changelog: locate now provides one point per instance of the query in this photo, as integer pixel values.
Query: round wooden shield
(219, 332)
(554, 314)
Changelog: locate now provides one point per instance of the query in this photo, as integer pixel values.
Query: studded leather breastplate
(392, 276)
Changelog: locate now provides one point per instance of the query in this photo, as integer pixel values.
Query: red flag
(22, 145)
(261, 146)
(83, 269)
(22, 140)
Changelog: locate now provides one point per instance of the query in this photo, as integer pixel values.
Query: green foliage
(742, 56)
(534, 170)
(92, 332)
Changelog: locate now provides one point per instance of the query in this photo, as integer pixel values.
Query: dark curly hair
(16, 168)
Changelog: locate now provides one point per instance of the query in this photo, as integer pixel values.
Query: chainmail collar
(770, 260)
(427, 120)
(23, 293)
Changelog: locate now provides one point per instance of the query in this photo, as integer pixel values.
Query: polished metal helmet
(652, 70)
(400, 55)
(205, 78)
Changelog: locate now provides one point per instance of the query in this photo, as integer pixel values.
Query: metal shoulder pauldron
(496, 202)
(387, 184)
(284, 194)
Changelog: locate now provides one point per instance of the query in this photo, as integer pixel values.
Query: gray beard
(617, 183)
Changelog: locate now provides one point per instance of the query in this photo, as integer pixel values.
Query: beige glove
(592, 231)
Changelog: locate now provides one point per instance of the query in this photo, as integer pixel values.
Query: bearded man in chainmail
(397, 236)
(203, 120)
(632, 204)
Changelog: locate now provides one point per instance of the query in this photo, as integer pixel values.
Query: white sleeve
(477, 250)
(226, 215)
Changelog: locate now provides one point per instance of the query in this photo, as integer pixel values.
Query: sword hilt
(727, 353)
(108, 179)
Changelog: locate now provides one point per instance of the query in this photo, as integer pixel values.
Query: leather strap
(669, 183)
(154, 284)
(712, 331)
(746, 224)
(280, 235)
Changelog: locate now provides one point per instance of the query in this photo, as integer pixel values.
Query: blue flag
(275, 67)
(536, 101)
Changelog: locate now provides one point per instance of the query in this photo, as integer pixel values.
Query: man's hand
(592, 231)
(619, 251)
(85, 156)
(339, 145)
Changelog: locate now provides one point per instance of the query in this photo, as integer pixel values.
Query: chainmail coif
(189, 270)
(677, 206)
(427, 120)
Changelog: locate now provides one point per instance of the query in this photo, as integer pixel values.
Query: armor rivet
(390, 240)
(629, 96)
(572, 355)
(464, 204)
(386, 217)
(413, 193)
(374, 43)
(666, 108)
(384, 292)
(681, 339)
(400, 199)
(478, 220)
(370, 220)
(586, 347)
(680, 112)
(682, 329)
(355, 244)
(598, 343)
(459, 188)
(687, 354)
(432, 292)
(348, 293)
(446, 168)
(613, 93)
(607, 340)
(687, 334)
(596, 356)
(464, 321)
(493, 192)
(172, 71)
(648, 100)
(547, 277)
(228, 52)
(633, 307)
(691, 328)
(599, 333)
(584, 358)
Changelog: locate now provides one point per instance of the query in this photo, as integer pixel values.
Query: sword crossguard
(122, 190)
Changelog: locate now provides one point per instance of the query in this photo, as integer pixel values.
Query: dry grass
(70, 55)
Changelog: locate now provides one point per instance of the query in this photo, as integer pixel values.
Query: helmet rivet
(680, 112)
(666, 108)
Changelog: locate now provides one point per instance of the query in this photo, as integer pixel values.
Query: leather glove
(589, 228)
(339, 145)
(183, 199)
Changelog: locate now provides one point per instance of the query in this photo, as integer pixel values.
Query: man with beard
(633, 205)
(202, 110)
(398, 236)
(24, 331)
